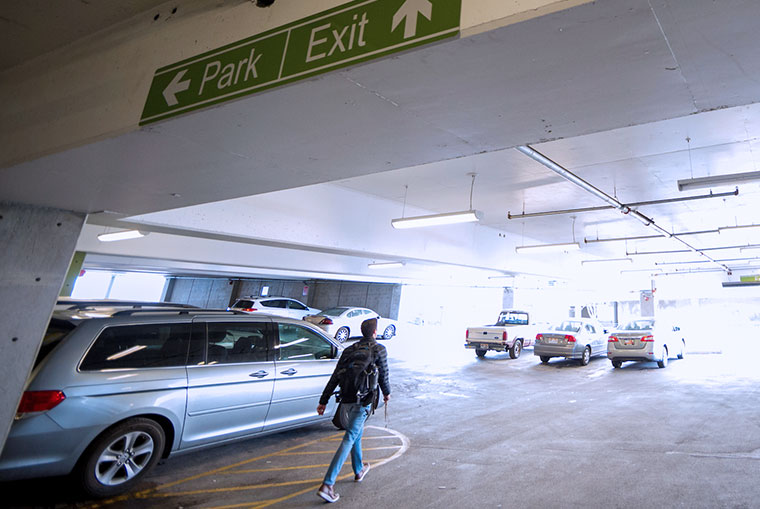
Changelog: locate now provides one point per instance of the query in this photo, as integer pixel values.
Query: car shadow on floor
(30, 493)
(562, 363)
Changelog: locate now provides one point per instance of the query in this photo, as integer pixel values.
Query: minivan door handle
(289, 372)
(259, 374)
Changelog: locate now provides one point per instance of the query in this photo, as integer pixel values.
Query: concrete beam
(38, 245)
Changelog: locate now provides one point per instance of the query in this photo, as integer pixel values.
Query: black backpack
(361, 375)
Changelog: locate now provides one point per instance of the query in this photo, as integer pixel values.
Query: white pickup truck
(511, 332)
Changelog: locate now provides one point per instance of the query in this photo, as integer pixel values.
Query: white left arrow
(409, 11)
(174, 87)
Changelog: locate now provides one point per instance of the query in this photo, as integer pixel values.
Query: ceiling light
(122, 235)
(467, 216)
(549, 248)
(386, 265)
(717, 180)
(608, 260)
(656, 269)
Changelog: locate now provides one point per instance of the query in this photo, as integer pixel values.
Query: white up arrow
(174, 87)
(409, 10)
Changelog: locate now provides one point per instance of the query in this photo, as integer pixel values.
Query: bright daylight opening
(100, 284)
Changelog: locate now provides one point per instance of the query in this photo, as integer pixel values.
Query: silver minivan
(116, 389)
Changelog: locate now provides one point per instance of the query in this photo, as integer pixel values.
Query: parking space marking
(400, 446)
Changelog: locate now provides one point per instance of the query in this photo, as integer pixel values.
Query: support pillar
(37, 247)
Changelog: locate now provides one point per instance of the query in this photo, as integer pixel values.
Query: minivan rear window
(56, 331)
(247, 304)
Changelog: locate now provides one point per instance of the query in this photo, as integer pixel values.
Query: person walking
(358, 409)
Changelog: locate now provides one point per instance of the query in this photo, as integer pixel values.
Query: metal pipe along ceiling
(525, 215)
(575, 179)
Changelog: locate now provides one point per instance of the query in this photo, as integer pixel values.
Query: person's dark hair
(369, 327)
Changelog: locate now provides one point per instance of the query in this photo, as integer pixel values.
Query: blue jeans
(352, 442)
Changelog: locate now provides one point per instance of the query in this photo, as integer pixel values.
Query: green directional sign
(351, 33)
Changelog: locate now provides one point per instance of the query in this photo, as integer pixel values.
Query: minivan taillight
(467, 334)
(647, 339)
(250, 310)
(569, 338)
(326, 321)
(39, 401)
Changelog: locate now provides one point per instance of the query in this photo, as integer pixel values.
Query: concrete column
(37, 247)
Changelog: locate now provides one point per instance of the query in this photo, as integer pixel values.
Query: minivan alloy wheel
(119, 457)
(124, 458)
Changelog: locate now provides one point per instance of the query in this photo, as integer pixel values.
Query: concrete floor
(497, 432)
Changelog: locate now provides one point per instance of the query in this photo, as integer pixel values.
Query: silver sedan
(577, 338)
(646, 339)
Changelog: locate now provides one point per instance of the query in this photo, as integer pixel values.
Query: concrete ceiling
(631, 95)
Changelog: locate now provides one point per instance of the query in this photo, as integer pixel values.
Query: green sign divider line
(275, 31)
(345, 35)
(295, 77)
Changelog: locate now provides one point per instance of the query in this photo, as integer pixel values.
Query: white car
(279, 306)
(345, 322)
(645, 339)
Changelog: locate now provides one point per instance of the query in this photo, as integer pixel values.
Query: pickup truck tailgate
(476, 334)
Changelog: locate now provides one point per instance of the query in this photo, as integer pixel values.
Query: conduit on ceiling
(629, 205)
(614, 203)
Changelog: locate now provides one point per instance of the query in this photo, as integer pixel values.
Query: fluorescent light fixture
(122, 235)
(608, 260)
(628, 271)
(749, 248)
(466, 216)
(717, 180)
(548, 248)
(387, 265)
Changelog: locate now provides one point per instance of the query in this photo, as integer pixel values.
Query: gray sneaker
(365, 468)
(327, 493)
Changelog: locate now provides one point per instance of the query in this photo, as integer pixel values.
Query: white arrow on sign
(409, 10)
(174, 87)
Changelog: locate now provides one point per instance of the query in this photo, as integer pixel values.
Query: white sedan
(345, 322)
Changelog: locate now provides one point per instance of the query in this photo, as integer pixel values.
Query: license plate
(628, 341)
(484, 346)
(551, 340)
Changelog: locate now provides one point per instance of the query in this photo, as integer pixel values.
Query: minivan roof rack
(84, 304)
(194, 311)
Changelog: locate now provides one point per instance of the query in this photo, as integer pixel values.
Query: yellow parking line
(275, 469)
(381, 437)
(332, 451)
(153, 493)
(228, 489)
